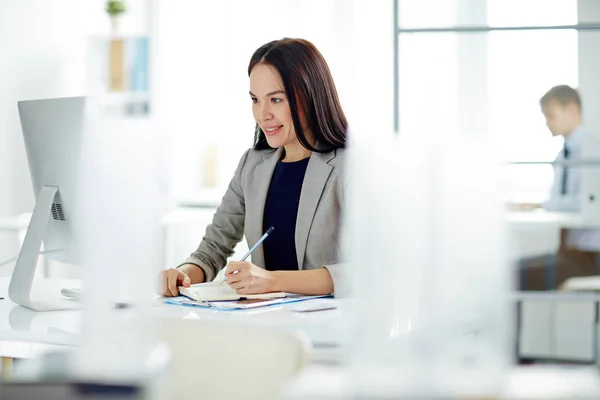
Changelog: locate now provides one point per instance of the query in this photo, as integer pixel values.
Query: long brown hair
(308, 84)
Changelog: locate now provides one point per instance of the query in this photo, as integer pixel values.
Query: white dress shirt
(570, 201)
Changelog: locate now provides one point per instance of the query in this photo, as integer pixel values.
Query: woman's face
(270, 106)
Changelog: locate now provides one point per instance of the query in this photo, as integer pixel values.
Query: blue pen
(262, 239)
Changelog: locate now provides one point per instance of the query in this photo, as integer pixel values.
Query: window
(479, 67)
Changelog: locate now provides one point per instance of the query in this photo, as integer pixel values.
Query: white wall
(204, 50)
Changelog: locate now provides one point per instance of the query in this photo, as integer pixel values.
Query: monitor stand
(21, 281)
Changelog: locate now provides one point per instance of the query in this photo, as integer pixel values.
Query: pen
(262, 239)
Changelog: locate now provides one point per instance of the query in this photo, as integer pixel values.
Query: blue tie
(563, 185)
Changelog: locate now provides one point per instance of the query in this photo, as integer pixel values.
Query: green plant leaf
(115, 7)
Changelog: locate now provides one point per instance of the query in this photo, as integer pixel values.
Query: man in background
(578, 251)
(561, 107)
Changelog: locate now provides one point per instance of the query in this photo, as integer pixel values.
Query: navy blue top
(281, 211)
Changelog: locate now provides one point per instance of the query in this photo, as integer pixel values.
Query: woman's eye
(276, 100)
(254, 99)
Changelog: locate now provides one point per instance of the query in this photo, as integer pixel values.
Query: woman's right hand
(170, 279)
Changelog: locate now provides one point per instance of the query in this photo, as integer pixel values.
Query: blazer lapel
(255, 204)
(317, 174)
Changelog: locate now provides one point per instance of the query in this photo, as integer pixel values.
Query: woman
(291, 179)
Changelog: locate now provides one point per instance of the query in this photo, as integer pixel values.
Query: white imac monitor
(53, 132)
(590, 180)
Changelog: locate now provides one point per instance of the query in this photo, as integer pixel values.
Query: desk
(183, 229)
(535, 233)
(25, 333)
(550, 218)
(15, 224)
(530, 382)
(558, 326)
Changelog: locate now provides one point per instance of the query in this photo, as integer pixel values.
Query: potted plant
(115, 9)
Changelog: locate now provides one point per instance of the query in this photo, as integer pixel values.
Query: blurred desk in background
(183, 229)
(15, 228)
(547, 218)
(537, 232)
(552, 325)
(15, 224)
(558, 326)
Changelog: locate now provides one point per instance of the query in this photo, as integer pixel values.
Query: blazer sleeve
(226, 229)
(341, 272)
(341, 280)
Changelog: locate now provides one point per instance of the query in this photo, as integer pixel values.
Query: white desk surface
(520, 382)
(562, 219)
(25, 333)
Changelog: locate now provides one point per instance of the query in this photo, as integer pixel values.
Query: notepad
(234, 305)
(213, 291)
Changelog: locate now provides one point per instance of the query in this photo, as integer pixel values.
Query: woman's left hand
(249, 278)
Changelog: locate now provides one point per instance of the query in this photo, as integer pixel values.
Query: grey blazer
(242, 209)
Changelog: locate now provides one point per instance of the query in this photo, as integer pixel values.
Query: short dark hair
(563, 94)
(307, 83)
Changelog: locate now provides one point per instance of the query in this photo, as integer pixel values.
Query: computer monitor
(53, 132)
(590, 180)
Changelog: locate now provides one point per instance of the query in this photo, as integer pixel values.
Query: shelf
(118, 72)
